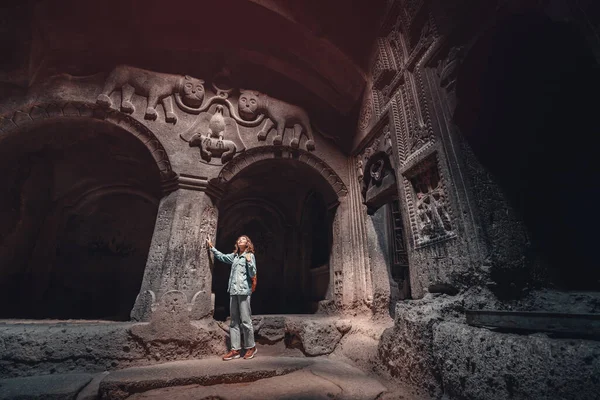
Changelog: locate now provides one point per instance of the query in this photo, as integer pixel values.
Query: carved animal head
(248, 104)
(192, 91)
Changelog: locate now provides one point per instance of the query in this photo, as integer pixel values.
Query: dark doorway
(398, 250)
(77, 210)
(282, 206)
(527, 104)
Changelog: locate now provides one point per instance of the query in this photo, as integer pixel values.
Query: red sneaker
(231, 355)
(250, 353)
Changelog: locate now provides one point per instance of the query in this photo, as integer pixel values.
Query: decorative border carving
(15, 120)
(429, 163)
(399, 130)
(249, 157)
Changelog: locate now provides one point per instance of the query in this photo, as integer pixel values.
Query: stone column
(351, 276)
(178, 260)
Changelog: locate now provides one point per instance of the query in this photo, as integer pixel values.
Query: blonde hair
(249, 245)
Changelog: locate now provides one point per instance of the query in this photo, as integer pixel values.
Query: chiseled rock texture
(432, 347)
(315, 336)
(480, 364)
(319, 336)
(407, 348)
(30, 349)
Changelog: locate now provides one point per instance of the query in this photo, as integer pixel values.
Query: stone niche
(377, 172)
(430, 219)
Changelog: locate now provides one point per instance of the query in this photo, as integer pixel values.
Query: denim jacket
(242, 271)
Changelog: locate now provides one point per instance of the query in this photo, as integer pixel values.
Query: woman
(242, 282)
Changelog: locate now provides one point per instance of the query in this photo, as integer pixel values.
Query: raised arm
(251, 261)
(226, 258)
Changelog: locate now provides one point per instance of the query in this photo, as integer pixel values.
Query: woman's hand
(209, 244)
(248, 257)
(253, 283)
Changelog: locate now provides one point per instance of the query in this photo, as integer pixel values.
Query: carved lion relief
(280, 115)
(216, 131)
(154, 86)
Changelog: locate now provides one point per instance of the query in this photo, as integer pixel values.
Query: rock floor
(280, 371)
(264, 377)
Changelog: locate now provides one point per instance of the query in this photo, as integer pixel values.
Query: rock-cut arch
(30, 116)
(257, 154)
(81, 188)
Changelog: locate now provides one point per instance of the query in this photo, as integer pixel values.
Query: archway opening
(77, 210)
(525, 104)
(287, 217)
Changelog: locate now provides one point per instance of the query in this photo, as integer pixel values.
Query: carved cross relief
(429, 203)
(407, 33)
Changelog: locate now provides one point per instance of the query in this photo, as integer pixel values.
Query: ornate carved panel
(386, 64)
(429, 207)
(220, 116)
(387, 67)
(408, 32)
(338, 285)
(412, 123)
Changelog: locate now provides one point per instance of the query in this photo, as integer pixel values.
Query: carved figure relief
(280, 115)
(433, 220)
(174, 301)
(208, 227)
(154, 86)
(216, 130)
(338, 284)
(209, 135)
(387, 139)
(359, 169)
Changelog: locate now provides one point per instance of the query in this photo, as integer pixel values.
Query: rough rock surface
(407, 348)
(482, 364)
(271, 328)
(432, 347)
(170, 331)
(69, 346)
(317, 337)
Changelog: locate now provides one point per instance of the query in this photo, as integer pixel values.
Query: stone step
(263, 377)
(56, 386)
(259, 378)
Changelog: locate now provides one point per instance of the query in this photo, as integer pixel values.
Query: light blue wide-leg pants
(241, 314)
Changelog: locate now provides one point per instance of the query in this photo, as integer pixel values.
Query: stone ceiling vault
(314, 54)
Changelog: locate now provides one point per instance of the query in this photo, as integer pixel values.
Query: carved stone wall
(429, 207)
(200, 133)
(442, 246)
(467, 239)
